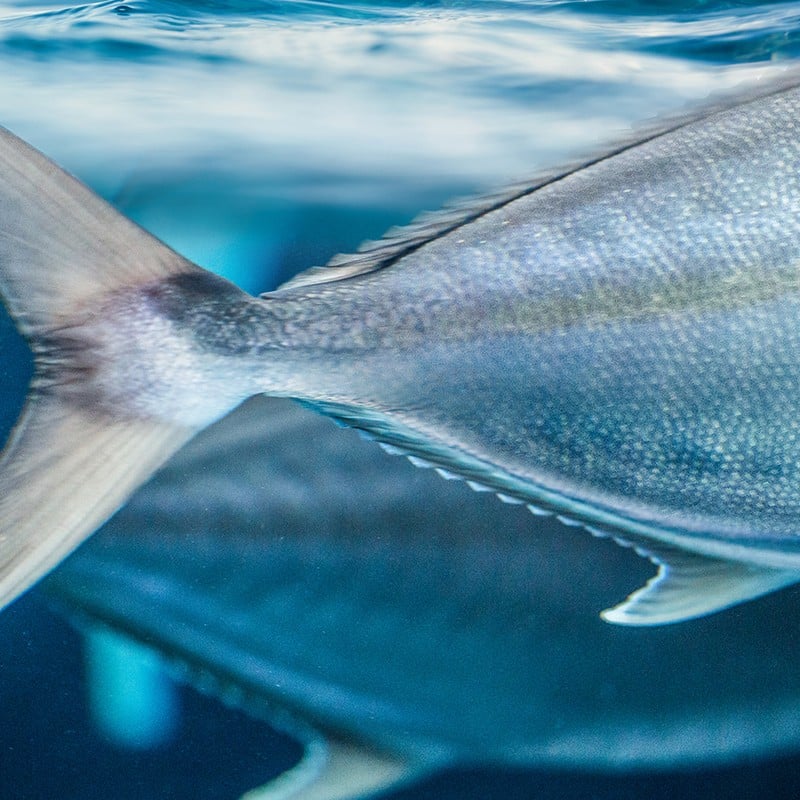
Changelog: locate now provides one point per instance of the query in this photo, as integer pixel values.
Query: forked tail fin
(69, 463)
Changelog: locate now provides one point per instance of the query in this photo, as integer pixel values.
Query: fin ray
(63, 473)
(61, 244)
(70, 462)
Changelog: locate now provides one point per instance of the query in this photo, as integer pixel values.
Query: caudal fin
(69, 463)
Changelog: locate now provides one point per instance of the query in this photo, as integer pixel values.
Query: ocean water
(259, 138)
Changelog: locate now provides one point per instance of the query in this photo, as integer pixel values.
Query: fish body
(621, 344)
(617, 343)
(292, 567)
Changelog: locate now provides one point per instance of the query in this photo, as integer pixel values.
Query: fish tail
(74, 456)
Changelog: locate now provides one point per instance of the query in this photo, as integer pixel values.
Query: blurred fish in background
(429, 622)
(258, 139)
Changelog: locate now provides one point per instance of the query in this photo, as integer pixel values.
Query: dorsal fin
(400, 241)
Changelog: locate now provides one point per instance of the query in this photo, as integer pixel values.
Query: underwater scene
(286, 610)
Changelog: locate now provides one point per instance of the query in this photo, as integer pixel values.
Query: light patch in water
(132, 700)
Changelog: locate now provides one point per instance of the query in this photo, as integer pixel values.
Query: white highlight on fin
(479, 487)
(507, 498)
(539, 512)
(391, 449)
(420, 462)
(447, 475)
(132, 700)
(336, 771)
(689, 585)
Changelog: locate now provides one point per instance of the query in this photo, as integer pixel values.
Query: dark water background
(259, 138)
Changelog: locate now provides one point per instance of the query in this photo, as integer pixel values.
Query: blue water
(259, 138)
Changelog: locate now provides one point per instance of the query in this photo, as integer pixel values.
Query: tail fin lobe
(61, 245)
(68, 465)
(62, 475)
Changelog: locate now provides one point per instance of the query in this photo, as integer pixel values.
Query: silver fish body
(617, 343)
(622, 344)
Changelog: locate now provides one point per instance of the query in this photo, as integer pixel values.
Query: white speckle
(506, 498)
(539, 512)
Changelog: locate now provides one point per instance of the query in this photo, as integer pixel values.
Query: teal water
(259, 138)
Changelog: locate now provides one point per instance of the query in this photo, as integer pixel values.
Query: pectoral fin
(339, 771)
(688, 585)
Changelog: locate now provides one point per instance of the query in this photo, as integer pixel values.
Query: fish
(615, 342)
(398, 624)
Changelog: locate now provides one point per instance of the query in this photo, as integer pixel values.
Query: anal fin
(688, 585)
(335, 770)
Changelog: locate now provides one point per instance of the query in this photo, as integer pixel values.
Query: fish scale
(675, 324)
